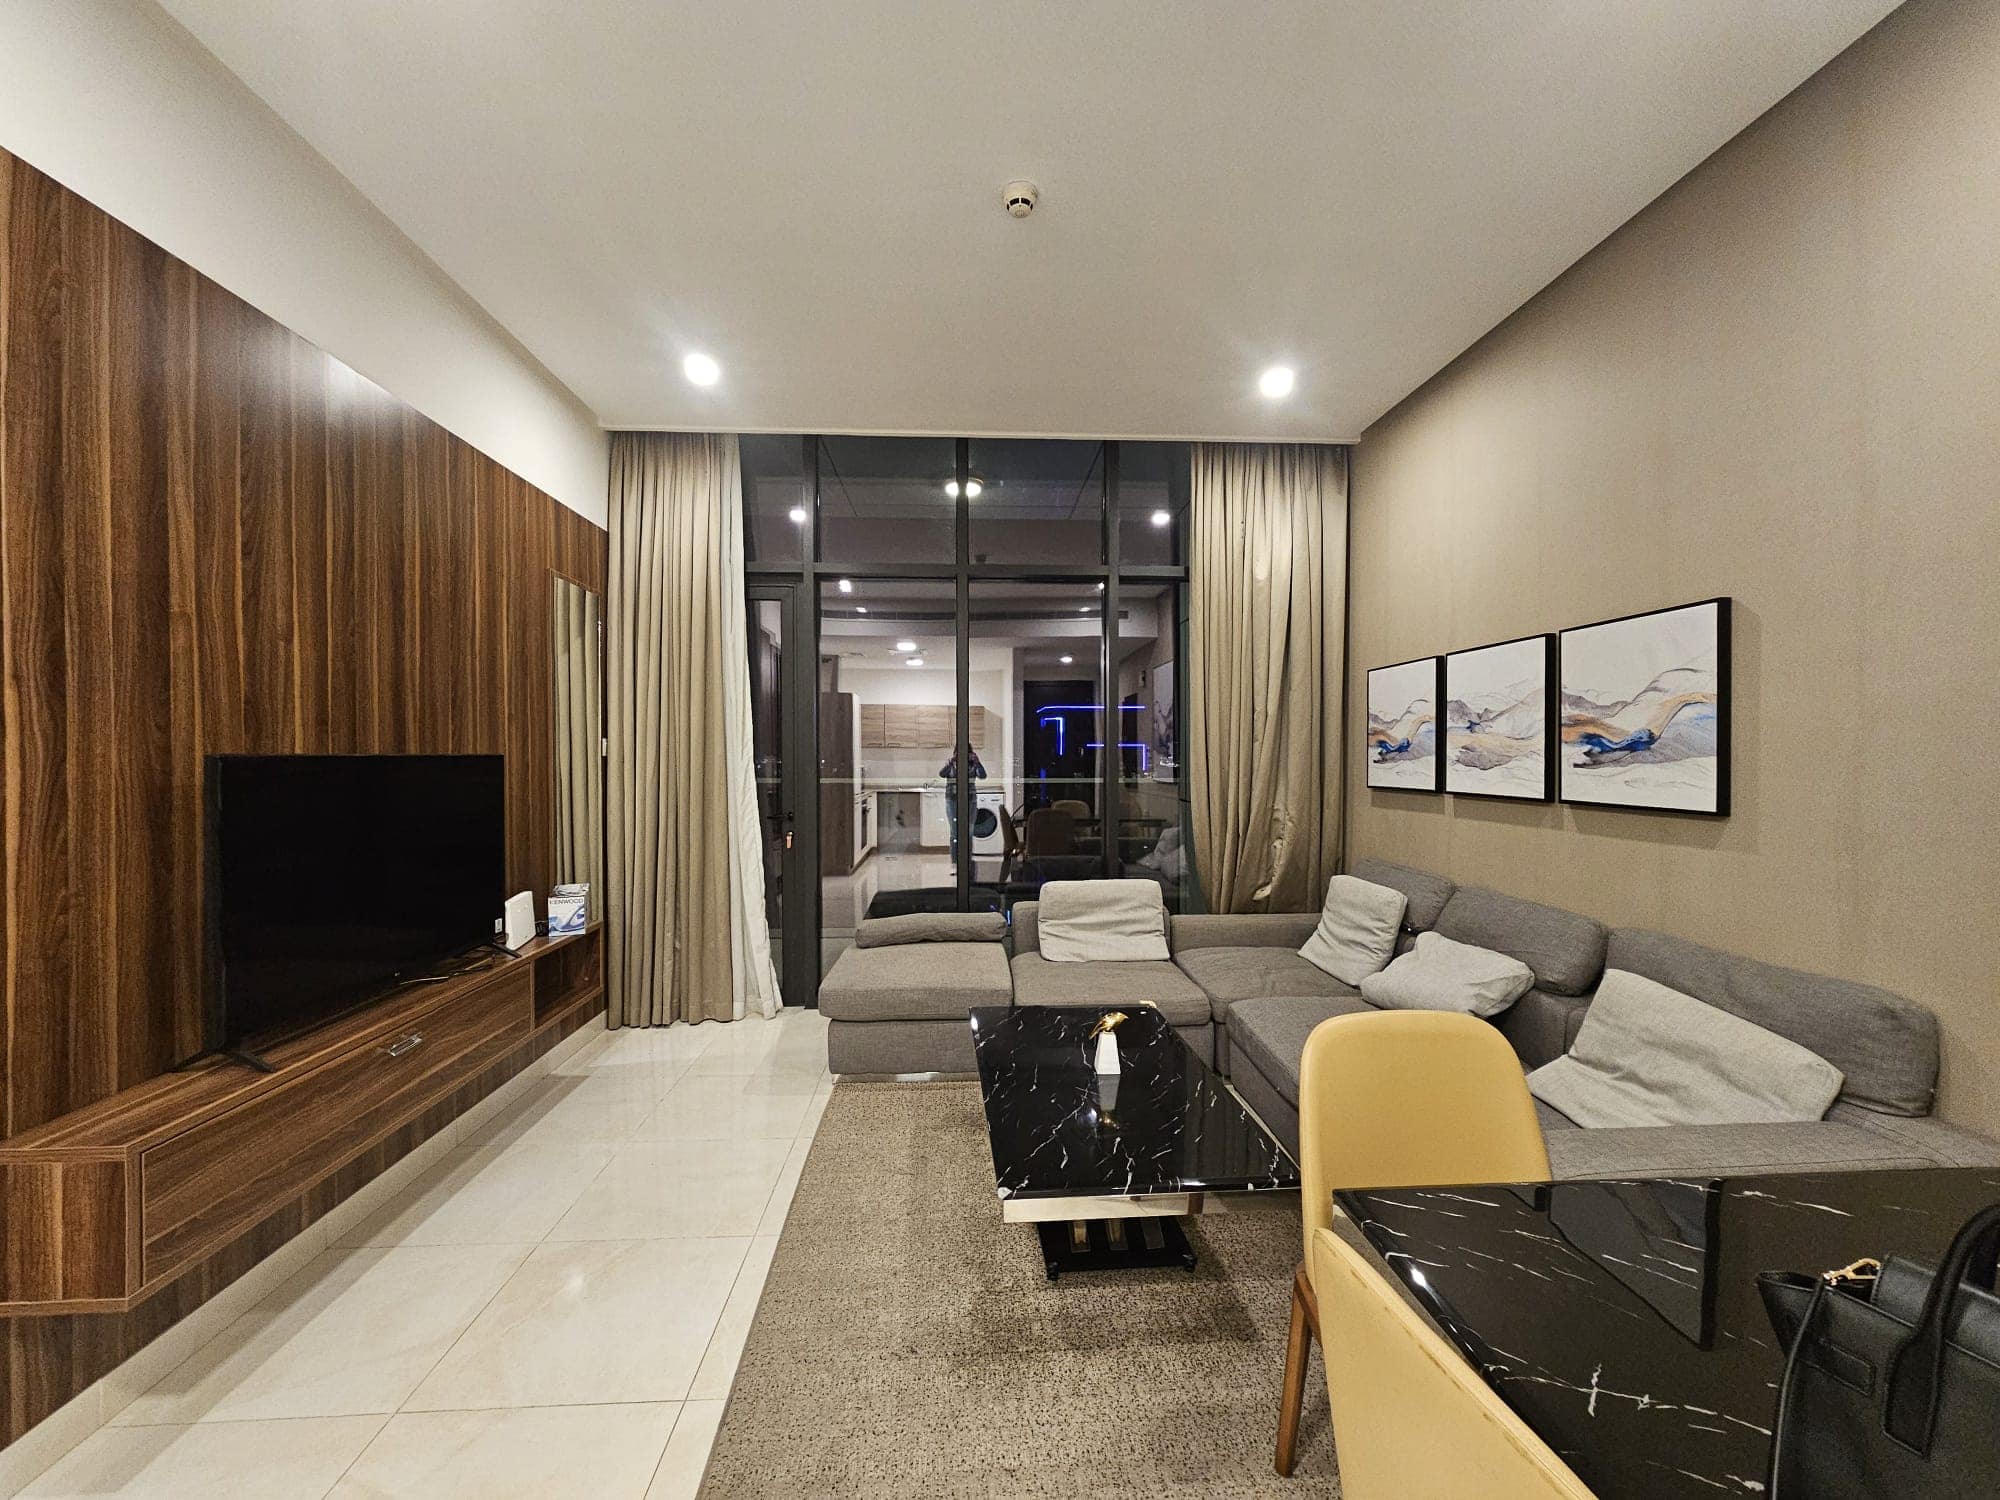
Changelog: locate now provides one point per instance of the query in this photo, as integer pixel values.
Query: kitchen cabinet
(917, 726)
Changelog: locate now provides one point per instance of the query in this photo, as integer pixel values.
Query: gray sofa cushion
(1540, 1027)
(1650, 1055)
(931, 927)
(1037, 981)
(916, 982)
(1438, 974)
(900, 1047)
(1228, 975)
(1947, 1145)
(1102, 921)
(1886, 1046)
(1276, 929)
(1722, 1150)
(1427, 893)
(1552, 1118)
(1271, 1032)
(1566, 951)
(1358, 928)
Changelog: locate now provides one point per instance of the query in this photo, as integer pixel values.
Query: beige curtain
(669, 819)
(1268, 575)
(579, 734)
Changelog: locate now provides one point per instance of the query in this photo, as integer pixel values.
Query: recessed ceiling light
(1160, 518)
(1085, 610)
(915, 661)
(798, 515)
(861, 609)
(1277, 382)
(906, 645)
(700, 369)
(1066, 660)
(1100, 588)
(846, 585)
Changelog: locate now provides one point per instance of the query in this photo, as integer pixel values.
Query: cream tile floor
(556, 1308)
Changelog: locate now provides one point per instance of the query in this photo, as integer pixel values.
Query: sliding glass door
(985, 647)
(889, 690)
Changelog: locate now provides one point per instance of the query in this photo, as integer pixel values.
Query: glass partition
(888, 704)
(777, 501)
(1152, 811)
(1035, 501)
(888, 500)
(1035, 658)
(1154, 483)
(927, 785)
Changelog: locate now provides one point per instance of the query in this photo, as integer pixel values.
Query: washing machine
(988, 808)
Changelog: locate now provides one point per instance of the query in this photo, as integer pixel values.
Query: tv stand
(200, 1172)
(253, 1060)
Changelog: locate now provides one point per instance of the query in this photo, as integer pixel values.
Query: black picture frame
(1551, 717)
(1567, 719)
(1369, 762)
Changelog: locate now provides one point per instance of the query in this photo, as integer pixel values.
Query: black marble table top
(1165, 1124)
(1620, 1319)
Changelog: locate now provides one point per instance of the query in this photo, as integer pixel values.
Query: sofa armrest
(1277, 929)
(1948, 1145)
(1025, 933)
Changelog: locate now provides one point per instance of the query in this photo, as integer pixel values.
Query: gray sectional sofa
(1238, 991)
(902, 1009)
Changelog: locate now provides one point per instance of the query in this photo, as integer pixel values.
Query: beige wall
(1780, 382)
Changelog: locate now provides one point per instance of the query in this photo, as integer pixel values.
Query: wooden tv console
(105, 1206)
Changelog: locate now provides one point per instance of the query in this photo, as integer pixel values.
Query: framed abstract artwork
(1402, 744)
(1645, 710)
(1497, 720)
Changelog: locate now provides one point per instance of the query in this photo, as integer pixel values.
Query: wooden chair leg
(1298, 1346)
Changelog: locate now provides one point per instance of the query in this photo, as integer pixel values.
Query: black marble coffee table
(1620, 1319)
(1103, 1167)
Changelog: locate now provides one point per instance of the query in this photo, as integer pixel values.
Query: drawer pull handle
(408, 1044)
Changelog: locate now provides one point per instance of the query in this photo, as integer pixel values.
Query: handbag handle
(1916, 1370)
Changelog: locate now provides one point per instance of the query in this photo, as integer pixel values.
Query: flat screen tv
(330, 878)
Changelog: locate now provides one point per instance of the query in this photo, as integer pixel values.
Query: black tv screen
(333, 877)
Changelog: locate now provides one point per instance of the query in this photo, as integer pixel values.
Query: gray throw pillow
(1357, 931)
(1439, 974)
(1102, 921)
(1649, 1055)
(931, 927)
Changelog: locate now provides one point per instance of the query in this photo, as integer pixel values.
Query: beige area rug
(908, 1342)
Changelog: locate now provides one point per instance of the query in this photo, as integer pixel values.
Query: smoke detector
(1020, 197)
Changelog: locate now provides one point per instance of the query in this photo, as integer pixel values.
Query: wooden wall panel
(214, 538)
(39, 911)
(217, 539)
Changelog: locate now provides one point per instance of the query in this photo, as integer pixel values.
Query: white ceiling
(811, 193)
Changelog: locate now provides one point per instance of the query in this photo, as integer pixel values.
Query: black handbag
(1892, 1379)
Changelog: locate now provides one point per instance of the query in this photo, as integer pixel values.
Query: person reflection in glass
(949, 771)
